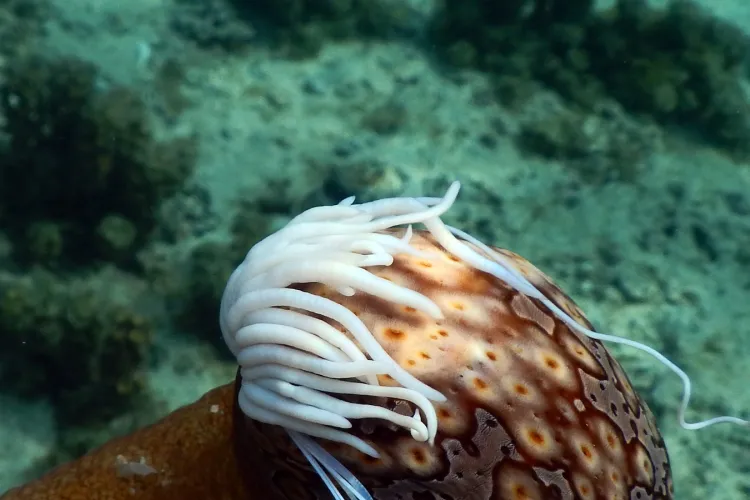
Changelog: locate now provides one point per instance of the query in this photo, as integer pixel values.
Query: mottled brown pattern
(534, 410)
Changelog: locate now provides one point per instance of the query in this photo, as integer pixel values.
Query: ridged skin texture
(534, 411)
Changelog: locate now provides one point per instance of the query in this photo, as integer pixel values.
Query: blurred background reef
(146, 146)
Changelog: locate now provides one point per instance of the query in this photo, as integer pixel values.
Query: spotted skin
(534, 410)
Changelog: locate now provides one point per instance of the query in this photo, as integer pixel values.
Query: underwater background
(147, 145)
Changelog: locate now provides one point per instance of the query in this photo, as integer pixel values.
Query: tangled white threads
(293, 364)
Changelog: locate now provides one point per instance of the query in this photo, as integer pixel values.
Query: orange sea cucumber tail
(187, 455)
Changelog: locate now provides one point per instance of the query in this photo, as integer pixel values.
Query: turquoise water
(146, 147)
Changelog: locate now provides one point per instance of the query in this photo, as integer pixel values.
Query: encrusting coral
(379, 362)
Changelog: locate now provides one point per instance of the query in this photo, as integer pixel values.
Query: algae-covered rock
(677, 65)
(301, 27)
(80, 341)
(606, 145)
(77, 155)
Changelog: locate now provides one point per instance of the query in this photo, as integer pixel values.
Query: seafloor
(658, 254)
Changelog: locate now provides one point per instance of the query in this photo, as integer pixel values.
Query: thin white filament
(314, 399)
(500, 268)
(254, 410)
(324, 463)
(266, 396)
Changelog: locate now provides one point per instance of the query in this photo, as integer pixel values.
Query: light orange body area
(188, 455)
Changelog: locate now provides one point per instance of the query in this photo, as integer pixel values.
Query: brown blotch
(434, 337)
(395, 334)
(552, 363)
(411, 362)
(454, 258)
(442, 333)
(491, 356)
(586, 452)
(443, 413)
(425, 264)
(418, 456)
(410, 309)
(425, 355)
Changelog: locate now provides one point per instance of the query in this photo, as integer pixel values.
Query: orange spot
(395, 334)
(521, 389)
(443, 333)
(425, 355)
(454, 258)
(552, 363)
(536, 437)
(411, 362)
(491, 355)
(480, 384)
(409, 309)
(611, 441)
(520, 492)
(586, 451)
(425, 264)
(615, 477)
(458, 306)
(434, 337)
(443, 413)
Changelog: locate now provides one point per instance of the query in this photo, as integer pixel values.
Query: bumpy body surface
(534, 409)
